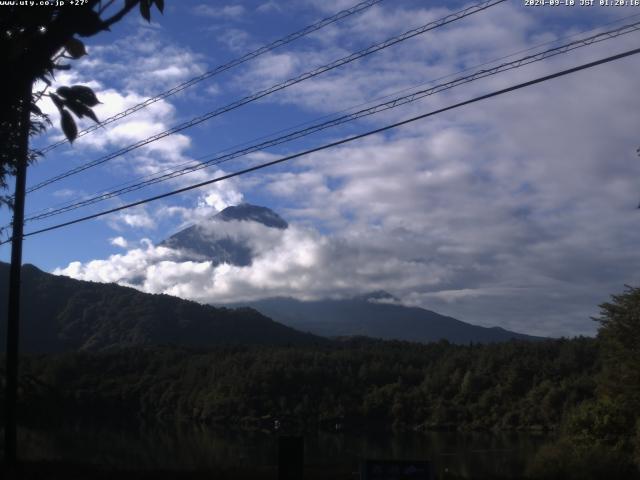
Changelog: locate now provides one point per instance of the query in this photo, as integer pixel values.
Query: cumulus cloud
(295, 261)
(225, 12)
(64, 193)
(269, 6)
(517, 212)
(132, 68)
(136, 218)
(119, 242)
(221, 199)
(150, 63)
(234, 39)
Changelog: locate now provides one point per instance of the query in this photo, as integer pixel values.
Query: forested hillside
(517, 385)
(584, 390)
(60, 314)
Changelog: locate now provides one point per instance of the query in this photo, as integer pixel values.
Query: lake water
(187, 448)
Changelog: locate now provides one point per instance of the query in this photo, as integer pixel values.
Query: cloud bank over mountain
(236, 258)
(519, 211)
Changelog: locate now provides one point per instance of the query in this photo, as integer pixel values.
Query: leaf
(69, 126)
(57, 101)
(92, 115)
(160, 5)
(75, 48)
(85, 95)
(63, 92)
(89, 23)
(35, 109)
(81, 110)
(79, 93)
(62, 67)
(145, 9)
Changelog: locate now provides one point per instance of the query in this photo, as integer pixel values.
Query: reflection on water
(185, 448)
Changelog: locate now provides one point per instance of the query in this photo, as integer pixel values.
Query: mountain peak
(378, 296)
(211, 241)
(253, 213)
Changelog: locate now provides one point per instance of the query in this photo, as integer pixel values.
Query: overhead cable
(337, 143)
(222, 68)
(394, 103)
(198, 160)
(280, 86)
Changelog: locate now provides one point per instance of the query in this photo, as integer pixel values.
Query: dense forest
(350, 385)
(62, 314)
(585, 390)
(516, 385)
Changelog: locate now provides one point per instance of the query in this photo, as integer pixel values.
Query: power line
(280, 86)
(394, 103)
(222, 68)
(340, 142)
(197, 161)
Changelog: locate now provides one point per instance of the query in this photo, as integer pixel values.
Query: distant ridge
(60, 314)
(375, 315)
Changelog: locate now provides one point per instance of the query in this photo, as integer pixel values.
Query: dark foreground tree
(35, 42)
(601, 438)
(619, 336)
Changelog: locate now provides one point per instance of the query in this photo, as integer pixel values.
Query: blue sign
(395, 470)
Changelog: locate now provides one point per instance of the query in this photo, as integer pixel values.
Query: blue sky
(518, 212)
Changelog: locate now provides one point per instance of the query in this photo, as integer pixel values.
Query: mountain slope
(226, 238)
(362, 316)
(59, 313)
(211, 240)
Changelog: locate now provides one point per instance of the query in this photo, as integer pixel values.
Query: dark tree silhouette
(619, 335)
(35, 41)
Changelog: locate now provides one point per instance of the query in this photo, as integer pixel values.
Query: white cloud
(225, 12)
(297, 261)
(269, 6)
(330, 5)
(135, 218)
(221, 198)
(518, 211)
(65, 193)
(117, 267)
(137, 63)
(119, 242)
(235, 39)
(213, 89)
(148, 70)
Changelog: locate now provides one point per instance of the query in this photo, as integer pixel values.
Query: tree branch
(105, 6)
(129, 5)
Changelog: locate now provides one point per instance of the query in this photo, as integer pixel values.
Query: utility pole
(13, 319)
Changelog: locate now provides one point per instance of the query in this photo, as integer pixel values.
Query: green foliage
(619, 381)
(33, 43)
(360, 383)
(60, 313)
(567, 460)
(619, 336)
(600, 423)
(601, 437)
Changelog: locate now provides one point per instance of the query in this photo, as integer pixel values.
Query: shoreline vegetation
(585, 390)
(351, 384)
(516, 386)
